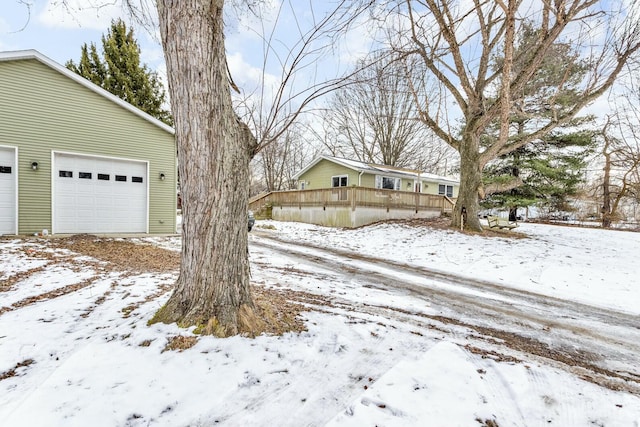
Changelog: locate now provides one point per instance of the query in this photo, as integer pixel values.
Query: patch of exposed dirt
(487, 423)
(13, 371)
(122, 254)
(58, 292)
(280, 309)
(444, 223)
(7, 284)
(180, 343)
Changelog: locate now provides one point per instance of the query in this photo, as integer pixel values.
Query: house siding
(44, 111)
(368, 180)
(320, 175)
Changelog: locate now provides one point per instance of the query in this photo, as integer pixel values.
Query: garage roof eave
(34, 54)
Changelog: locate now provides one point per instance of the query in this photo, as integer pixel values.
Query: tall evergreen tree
(548, 170)
(121, 73)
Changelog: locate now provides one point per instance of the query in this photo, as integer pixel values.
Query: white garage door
(99, 195)
(8, 180)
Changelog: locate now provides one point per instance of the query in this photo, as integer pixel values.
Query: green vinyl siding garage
(82, 160)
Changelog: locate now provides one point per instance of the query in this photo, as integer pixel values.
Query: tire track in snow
(603, 341)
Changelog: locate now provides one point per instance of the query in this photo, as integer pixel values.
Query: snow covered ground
(590, 265)
(377, 356)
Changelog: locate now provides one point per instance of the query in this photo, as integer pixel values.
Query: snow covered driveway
(597, 343)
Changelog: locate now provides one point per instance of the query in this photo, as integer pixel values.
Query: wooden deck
(386, 203)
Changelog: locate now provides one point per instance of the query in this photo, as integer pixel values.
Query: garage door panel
(8, 185)
(100, 203)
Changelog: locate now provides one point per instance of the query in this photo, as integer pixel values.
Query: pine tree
(121, 73)
(549, 170)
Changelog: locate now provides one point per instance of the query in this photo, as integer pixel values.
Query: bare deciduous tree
(375, 119)
(457, 42)
(620, 152)
(215, 148)
(280, 160)
(274, 110)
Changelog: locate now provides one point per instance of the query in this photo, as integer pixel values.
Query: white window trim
(446, 187)
(340, 179)
(397, 182)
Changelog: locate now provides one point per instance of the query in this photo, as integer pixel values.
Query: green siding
(320, 175)
(43, 111)
(368, 180)
(429, 187)
(433, 188)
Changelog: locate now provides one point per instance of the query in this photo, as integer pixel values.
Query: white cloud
(4, 26)
(74, 14)
(98, 14)
(248, 77)
(244, 26)
(357, 43)
(4, 29)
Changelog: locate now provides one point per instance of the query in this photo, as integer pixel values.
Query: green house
(76, 159)
(331, 172)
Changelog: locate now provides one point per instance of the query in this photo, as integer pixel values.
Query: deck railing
(354, 197)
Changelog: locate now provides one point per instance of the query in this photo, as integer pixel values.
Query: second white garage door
(99, 195)
(8, 174)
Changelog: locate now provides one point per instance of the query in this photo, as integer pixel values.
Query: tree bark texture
(606, 192)
(515, 172)
(214, 150)
(466, 210)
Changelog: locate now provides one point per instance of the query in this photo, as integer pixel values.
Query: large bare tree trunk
(466, 210)
(214, 150)
(606, 192)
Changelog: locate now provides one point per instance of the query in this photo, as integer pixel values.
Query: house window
(84, 175)
(339, 181)
(5, 169)
(65, 174)
(387, 183)
(303, 185)
(445, 190)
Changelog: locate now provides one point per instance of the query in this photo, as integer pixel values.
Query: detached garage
(76, 159)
